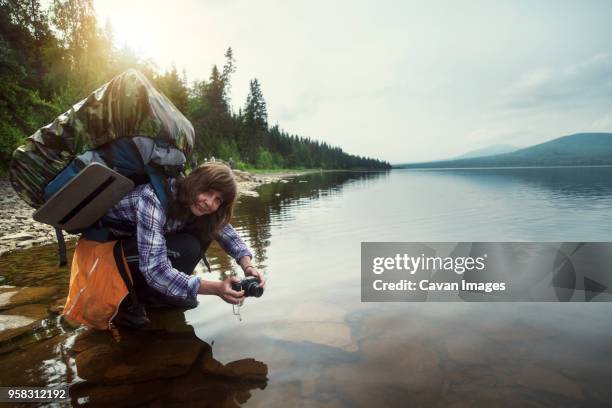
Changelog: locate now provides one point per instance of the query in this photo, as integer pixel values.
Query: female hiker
(169, 243)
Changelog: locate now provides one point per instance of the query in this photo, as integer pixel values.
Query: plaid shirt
(142, 208)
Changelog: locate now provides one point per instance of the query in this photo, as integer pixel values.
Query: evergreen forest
(52, 57)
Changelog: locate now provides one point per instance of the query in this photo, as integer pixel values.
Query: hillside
(581, 149)
(488, 151)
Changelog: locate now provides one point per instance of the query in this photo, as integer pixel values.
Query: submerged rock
(330, 334)
(13, 297)
(57, 306)
(20, 320)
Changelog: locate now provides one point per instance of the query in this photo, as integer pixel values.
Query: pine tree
(228, 69)
(173, 86)
(255, 111)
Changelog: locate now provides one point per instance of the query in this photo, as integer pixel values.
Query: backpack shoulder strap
(119, 260)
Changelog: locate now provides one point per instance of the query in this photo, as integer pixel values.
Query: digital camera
(250, 285)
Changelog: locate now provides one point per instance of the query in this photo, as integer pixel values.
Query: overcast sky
(399, 80)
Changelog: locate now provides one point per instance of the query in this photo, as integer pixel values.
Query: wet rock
(30, 365)
(6, 294)
(57, 306)
(8, 322)
(34, 311)
(25, 244)
(20, 320)
(138, 357)
(20, 236)
(90, 338)
(26, 295)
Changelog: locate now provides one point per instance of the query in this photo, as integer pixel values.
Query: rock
(32, 364)
(19, 320)
(9, 322)
(20, 236)
(25, 295)
(24, 244)
(6, 295)
(57, 306)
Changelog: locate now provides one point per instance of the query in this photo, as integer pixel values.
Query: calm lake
(323, 347)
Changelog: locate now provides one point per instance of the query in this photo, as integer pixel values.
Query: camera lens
(253, 289)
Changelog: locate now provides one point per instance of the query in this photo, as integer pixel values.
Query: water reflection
(579, 182)
(254, 217)
(166, 364)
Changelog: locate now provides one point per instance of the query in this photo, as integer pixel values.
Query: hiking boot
(130, 315)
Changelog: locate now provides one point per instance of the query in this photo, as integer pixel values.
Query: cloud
(575, 86)
(604, 123)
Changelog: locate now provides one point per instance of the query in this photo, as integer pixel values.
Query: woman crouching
(169, 243)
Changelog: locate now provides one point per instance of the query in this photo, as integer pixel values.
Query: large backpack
(126, 124)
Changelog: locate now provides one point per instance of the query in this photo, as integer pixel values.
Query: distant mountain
(582, 149)
(488, 151)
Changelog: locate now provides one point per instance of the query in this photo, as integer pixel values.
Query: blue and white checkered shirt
(142, 208)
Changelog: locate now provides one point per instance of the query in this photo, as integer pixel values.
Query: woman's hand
(228, 294)
(223, 290)
(251, 271)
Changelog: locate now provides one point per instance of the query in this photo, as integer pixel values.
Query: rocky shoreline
(19, 231)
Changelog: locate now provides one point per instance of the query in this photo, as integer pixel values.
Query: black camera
(250, 285)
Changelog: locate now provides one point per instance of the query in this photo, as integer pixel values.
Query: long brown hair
(209, 176)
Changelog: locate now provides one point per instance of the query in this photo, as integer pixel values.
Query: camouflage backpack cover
(127, 106)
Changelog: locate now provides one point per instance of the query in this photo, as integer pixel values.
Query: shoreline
(18, 230)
